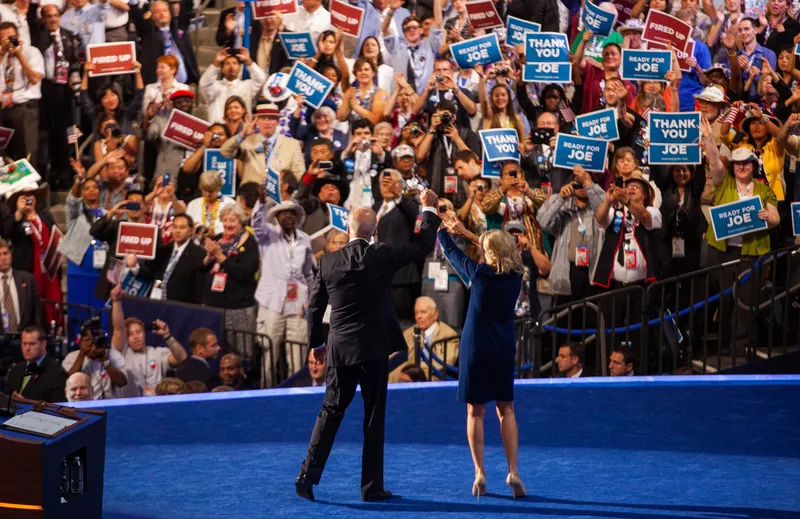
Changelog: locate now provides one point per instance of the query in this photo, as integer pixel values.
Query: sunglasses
(408, 28)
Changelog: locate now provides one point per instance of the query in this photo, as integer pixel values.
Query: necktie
(169, 48)
(412, 80)
(267, 152)
(173, 260)
(30, 370)
(8, 306)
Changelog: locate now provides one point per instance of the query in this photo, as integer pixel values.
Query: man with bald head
(79, 388)
(364, 331)
(538, 164)
(431, 333)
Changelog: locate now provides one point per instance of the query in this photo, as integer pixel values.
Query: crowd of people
(400, 117)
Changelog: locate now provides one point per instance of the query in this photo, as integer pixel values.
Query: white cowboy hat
(272, 215)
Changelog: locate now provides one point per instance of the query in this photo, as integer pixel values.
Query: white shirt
(315, 23)
(12, 287)
(394, 30)
(10, 13)
(147, 367)
(430, 332)
(195, 207)
(577, 375)
(217, 91)
(115, 18)
(154, 93)
(98, 376)
(24, 90)
(385, 76)
(625, 274)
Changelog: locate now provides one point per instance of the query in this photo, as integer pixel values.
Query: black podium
(32, 466)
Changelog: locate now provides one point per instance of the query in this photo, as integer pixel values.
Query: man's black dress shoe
(304, 487)
(378, 495)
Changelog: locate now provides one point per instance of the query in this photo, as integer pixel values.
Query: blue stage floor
(703, 447)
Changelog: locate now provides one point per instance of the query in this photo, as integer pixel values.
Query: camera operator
(442, 86)
(21, 73)
(363, 158)
(145, 364)
(318, 188)
(439, 147)
(540, 150)
(61, 69)
(221, 80)
(105, 366)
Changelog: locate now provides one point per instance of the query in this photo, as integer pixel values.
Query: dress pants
(24, 118)
(57, 104)
(341, 388)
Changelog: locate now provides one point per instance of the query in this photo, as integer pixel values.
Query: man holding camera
(364, 157)
(442, 86)
(439, 147)
(217, 90)
(145, 364)
(21, 73)
(105, 366)
(58, 46)
(569, 216)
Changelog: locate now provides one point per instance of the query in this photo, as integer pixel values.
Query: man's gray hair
(362, 222)
(236, 209)
(395, 174)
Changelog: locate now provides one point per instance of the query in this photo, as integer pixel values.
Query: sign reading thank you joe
(674, 138)
(645, 65)
(601, 124)
(737, 218)
(482, 50)
(310, 83)
(500, 144)
(573, 150)
(547, 55)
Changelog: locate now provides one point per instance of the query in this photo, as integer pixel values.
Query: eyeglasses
(740, 165)
(408, 28)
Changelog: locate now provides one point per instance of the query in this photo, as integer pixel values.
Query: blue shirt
(690, 83)
(753, 60)
(87, 22)
(181, 76)
(423, 55)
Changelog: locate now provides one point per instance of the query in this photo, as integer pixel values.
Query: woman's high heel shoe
(479, 486)
(517, 488)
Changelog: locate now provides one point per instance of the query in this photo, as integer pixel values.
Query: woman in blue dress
(488, 345)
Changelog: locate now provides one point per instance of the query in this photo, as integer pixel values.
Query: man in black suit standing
(160, 35)
(58, 47)
(364, 331)
(397, 217)
(178, 264)
(19, 297)
(38, 377)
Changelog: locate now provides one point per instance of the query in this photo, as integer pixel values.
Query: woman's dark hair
(225, 129)
(117, 90)
(322, 68)
(360, 62)
(325, 34)
(550, 87)
(380, 54)
(234, 99)
(361, 123)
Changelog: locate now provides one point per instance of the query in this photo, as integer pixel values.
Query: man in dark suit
(160, 35)
(364, 331)
(58, 47)
(38, 377)
(204, 345)
(178, 264)
(570, 360)
(397, 217)
(230, 33)
(19, 297)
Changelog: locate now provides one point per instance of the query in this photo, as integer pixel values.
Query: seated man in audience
(169, 386)
(412, 373)
(205, 347)
(231, 372)
(105, 366)
(192, 387)
(620, 363)
(79, 388)
(570, 360)
(426, 317)
(145, 364)
(37, 377)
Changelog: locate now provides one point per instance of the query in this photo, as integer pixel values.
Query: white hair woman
(205, 210)
(487, 347)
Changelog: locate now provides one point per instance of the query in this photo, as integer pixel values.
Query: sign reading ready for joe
(572, 150)
(482, 50)
(645, 65)
(547, 55)
(737, 218)
(674, 138)
(601, 124)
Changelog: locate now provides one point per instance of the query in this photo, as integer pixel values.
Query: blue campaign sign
(517, 28)
(308, 82)
(645, 65)
(134, 286)
(598, 21)
(601, 124)
(491, 169)
(546, 47)
(482, 50)
(797, 48)
(671, 154)
(547, 72)
(796, 218)
(737, 218)
(338, 217)
(273, 185)
(573, 150)
(298, 45)
(500, 144)
(674, 127)
(214, 161)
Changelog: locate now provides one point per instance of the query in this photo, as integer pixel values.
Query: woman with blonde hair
(205, 210)
(487, 347)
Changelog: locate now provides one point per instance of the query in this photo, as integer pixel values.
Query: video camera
(99, 335)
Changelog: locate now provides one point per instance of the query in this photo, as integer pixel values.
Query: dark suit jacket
(543, 12)
(23, 243)
(196, 369)
(152, 46)
(396, 229)
(186, 282)
(30, 309)
(278, 58)
(48, 385)
(70, 42)
(356, 281)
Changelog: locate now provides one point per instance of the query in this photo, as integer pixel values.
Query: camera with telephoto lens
(446, 119)
(14, 41)
(99, 335)
(577, 185)
(501, 71)
(439, 78)
(366, 144)
(415, 131)
(114, 130)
